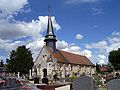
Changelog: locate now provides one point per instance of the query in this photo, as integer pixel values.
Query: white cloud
(35, 46)
(65, 46)
(2, 58)
(116, 33)
(102, 48)
(80, 1)
(97, 11)
(111, 43)
(113, 46)
(73, 49)
(79, 36)
(87, 53)
(114, 41)
(62, 44)
(7, 45)
(19, 29)
(98, 45)
(11, 7)
(102, 59)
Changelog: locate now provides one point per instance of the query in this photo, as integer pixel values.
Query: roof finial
(49, 9)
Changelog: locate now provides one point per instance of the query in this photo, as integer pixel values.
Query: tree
(114, 59)
(110, 67)
(98, 68)
(1, 63)
(20, 60)
(11, 62)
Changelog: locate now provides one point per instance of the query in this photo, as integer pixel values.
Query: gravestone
(84, 83)
(11, 82)
(113, 84)
(45, 80)
(36, 80)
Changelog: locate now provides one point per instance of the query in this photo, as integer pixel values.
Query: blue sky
(87, 27)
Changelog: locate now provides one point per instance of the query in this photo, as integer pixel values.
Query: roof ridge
(40, 52)
(73, 53)
(62, 55)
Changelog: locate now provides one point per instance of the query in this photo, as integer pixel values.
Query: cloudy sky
(87, 27)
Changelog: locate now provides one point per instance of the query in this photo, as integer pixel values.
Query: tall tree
(1, 63)
(110, 67)
(98, 68)
(20, 60)
(11, 62)
(114, 59)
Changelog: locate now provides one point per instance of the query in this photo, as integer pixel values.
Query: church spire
(50, 26)
(50, 38)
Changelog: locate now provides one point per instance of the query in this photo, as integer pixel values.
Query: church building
(59, 62)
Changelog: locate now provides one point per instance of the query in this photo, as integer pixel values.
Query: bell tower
(50, 38)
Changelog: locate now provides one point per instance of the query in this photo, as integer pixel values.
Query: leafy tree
(110, 67)
(11, 62)
(98, 68)
(20, 60)
(114, 59)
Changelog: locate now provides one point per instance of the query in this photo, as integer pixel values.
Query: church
(59, 62)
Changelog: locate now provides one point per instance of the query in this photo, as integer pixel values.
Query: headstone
(36, 80)
(10, 82)
(30, 72)
(113, 84)
(45, 80)
(63, 71)
(84, 83)
(18, 75)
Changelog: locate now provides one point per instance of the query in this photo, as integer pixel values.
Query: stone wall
(45, 60)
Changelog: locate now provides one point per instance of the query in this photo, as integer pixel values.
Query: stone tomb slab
(113, 84)
(84, 83)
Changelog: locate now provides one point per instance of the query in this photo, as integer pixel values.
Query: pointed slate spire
(50, 26)
(50, 38)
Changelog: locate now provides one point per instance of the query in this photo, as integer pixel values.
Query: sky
(86, 27)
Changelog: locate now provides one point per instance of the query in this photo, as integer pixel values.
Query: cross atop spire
(50, 26)
(49, 10)
(50, 38)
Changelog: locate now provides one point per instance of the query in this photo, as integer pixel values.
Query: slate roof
(70, 58)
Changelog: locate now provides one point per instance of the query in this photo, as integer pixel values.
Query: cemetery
(83, 82)
(57, 69)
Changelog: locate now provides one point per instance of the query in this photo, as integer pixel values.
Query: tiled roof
(104, 68)
(66, 57)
